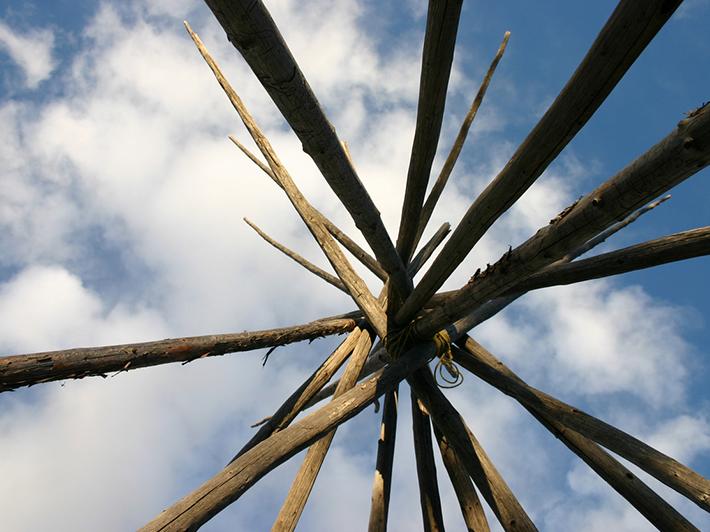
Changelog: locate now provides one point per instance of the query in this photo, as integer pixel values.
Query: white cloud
(31, 51)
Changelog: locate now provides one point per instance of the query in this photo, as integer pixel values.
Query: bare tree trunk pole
(288, 411)
(443, 178)
(429, 499)
(471, 509)
(504, 504)
(25, 370)
(356, 287)
(630, 28)
(382, 483)
(679, 155)
(254, 34)
(297, 497)
(475, 358)
(227, 486)
(437, 56)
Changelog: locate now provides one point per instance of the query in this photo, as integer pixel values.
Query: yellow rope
(447, 373)
(442, 341)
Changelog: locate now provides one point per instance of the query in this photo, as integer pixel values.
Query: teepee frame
(415, 324)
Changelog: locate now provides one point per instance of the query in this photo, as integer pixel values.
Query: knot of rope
(396, 342)
(447, 374)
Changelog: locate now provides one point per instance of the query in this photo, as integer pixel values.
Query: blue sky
(120, 220)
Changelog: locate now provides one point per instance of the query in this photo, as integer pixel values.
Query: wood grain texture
(429, 500)
(683, 152)
(382, 483)
(227, 486)
(493, 488)
(471, 509)
(296, 499)
(437, 57)
(630, 28)
(26, 370)
(252, 31)
(475, 358)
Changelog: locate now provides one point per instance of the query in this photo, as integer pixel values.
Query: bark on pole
(630, 28)
(26, 370)
(254, 34)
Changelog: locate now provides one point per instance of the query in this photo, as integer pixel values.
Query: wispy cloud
(31, 51)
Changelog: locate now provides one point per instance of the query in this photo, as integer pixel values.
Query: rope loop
(446, 372)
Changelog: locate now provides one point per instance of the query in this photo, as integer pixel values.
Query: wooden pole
(672, 248)
(437, 55)
(453, 156)
(471, 509)
(630, 28)
(25, 370)
(382, 483)
(475, 358)
(348, 243)
(356, 287)
(254, 34)
(295, 502)
(288, 411)
(429, 499)
(679, 155)
(495, 491)
(227, 486)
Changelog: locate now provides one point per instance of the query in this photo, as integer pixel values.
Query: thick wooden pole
(471, 509)
(254, 34)
(679, 155)
(295, 502)
(672, 248)
(630, 28)
(495, 491)
(437, 56)
(227, 486)
(443, 178)
(429, 499)
(26, 370)
(356, 287)
(475, 358)
(382, 483)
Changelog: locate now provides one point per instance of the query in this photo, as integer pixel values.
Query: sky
(121, 206)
